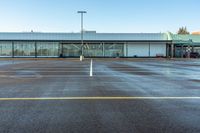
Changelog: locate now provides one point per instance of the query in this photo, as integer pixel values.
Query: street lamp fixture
(81, 12)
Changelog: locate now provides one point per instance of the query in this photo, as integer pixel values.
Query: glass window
(24, 49)
(50, 49)
(93, 50)
(114, 49)
(6, 49)
(197, 49)
(71, 50)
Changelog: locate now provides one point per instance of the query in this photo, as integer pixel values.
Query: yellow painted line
(99, 98)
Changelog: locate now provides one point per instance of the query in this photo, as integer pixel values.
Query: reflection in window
(50, 49)
(24, 49)
(71, 50)
(114, 49)
(6, 49)
(93, 50)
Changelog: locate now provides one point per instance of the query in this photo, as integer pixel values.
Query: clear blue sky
(103, 15)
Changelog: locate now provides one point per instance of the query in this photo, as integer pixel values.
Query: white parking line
(91, 69)
(99, 98)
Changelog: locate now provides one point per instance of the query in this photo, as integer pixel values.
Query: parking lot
(123, 95)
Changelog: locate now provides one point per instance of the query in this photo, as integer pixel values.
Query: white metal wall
(151, 49)
(138, 49)
(157, 49)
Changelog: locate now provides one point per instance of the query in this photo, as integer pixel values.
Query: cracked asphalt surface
(112, 78)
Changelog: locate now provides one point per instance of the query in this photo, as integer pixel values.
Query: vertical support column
(192, 48)
(59, 50)
(62, 49)
(103, 48)
(35, 50)
(167, 50)
(175, 51)
(13, 53)
(188, 51)
(125, 49)
(172, 50)
(1, 51)
(149, 49)
(182, 51)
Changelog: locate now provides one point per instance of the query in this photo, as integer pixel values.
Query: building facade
(95, 44)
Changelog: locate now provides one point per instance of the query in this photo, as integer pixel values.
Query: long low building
(34, 44)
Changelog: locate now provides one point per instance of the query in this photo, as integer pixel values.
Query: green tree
(183, 30)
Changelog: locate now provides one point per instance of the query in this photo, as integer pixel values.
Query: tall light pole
(82, 12)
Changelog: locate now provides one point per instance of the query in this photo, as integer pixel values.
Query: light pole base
(81, 58)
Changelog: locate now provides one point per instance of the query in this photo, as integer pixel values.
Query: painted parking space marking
(98, 98)
(91, 68)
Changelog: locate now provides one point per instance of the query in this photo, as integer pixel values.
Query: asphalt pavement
(122, 96)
